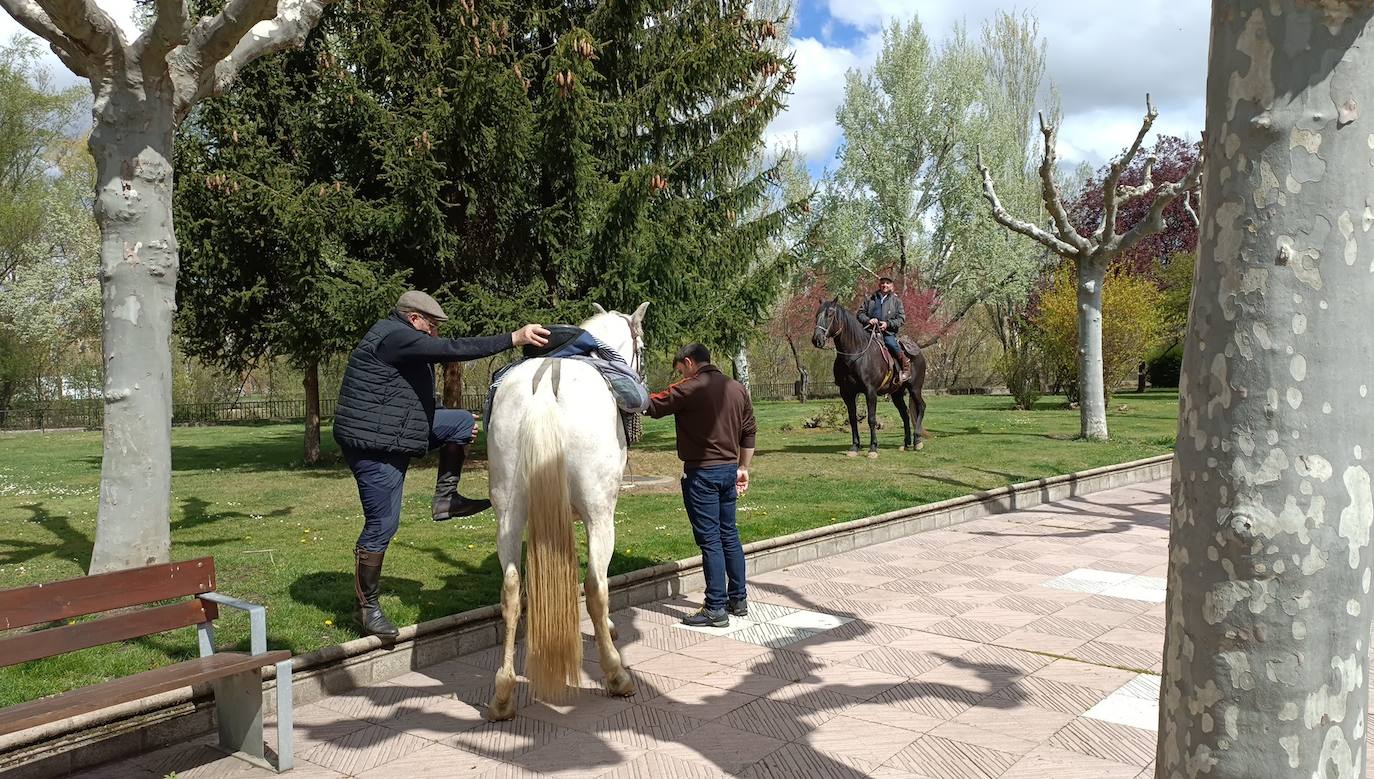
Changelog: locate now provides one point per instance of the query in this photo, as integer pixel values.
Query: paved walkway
(1025, 645)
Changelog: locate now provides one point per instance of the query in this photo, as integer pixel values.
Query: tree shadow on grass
(69, 543)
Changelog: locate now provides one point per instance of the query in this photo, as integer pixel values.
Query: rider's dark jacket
(889, 310)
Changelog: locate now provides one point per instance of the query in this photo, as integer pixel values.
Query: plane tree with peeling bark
(1092, 254)
(1268, 610)
(143, 88)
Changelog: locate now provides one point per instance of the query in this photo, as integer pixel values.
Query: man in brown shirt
(715, 441)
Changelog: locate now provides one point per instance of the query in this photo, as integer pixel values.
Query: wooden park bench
(237, 677)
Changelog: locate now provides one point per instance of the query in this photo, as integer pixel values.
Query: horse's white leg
(600, 543)
(511, 532)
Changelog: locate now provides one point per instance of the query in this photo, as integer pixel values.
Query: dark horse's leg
(872, 398)
(899, 400)
(851, 402)
(919, 402)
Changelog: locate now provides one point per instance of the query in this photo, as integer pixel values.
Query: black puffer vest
(385, 407)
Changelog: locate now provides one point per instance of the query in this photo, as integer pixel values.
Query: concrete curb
(172, 717)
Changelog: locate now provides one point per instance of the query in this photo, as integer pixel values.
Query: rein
(872, 338)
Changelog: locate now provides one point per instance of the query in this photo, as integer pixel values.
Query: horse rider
(387, 414)
(884, 312)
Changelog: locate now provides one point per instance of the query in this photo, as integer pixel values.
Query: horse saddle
(563, 341)
(893, 376)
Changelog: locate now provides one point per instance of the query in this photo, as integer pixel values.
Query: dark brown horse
(861, 366)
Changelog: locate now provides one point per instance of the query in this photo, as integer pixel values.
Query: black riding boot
(905, 360)
(367, 580)
(447, 502)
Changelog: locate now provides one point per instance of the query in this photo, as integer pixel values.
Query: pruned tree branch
(220, 46)
(1010, 222)
(34, 19)
(170, 29)
(1106, 232)
(1050, 192)
(1164, 195)
(88, 26)
(1188, 206)
(1128, 193)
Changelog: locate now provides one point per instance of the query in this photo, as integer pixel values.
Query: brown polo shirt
(713, 415)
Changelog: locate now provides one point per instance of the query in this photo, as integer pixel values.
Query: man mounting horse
(861, 366)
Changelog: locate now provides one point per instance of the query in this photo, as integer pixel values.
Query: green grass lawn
(282, 534)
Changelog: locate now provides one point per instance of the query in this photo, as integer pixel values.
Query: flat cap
(418, 302)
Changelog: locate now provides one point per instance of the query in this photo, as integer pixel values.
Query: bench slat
(34, 605)
(70, 638)
(131, 688)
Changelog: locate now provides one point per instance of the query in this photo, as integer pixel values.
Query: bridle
(824, 331)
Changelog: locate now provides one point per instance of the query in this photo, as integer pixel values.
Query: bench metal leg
(238, 706)
(285, 718)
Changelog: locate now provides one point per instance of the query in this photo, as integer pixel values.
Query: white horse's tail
(554, 662)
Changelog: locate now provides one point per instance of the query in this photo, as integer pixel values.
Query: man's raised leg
(453, 430)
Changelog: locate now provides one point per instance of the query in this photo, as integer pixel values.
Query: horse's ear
(836, 301)
(639, 312)
(598, 308)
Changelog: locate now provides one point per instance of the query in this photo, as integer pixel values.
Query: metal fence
(88, 414)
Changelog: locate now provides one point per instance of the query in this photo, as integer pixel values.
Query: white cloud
(1103, 57)
(810, 114)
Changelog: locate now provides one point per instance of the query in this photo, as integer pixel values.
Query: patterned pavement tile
(1068, 628)
(875, 633)
(364, 749)
(646, 727)
(1050, 694)
(1102, 653)
(1033, 641)
(698, 701)
(578, 755)
(1107, 740)
(971, 630)
(898, 661)
(783, 721)
(657, 765)
(1052, 763)
(797, 760)
(436, 761)
(931, 699)
(941, 758)
(509, 739)
(727, 749)
(860, 739)
(942, 606)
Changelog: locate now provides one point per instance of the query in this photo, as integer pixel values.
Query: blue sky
(1103, 56)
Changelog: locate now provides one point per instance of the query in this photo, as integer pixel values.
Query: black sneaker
(705, 618)
(738, 608)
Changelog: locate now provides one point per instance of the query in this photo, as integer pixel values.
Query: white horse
(544, 411)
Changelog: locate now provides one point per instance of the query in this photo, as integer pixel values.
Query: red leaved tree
(1168, 161)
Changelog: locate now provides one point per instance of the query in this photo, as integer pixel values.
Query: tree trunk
(312, 412)
(131, 143)
(7, 390)
(741, 364)
(453, 385)
(802, 388)
(1092, 399)
(1140, 377)
(1268, 612)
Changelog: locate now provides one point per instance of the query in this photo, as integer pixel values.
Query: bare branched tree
(1092, 254)
(143, 88)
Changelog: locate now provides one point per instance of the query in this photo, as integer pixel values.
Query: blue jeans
(709, 496)
(381, 477)
(890, 340)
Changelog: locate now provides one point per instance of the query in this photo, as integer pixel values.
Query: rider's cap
(418, 302)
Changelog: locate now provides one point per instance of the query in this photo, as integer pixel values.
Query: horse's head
(827, 322)
(622, 332)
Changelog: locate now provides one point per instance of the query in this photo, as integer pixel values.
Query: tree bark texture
(1092, 395)
(132, 146)
(741, 365)
(1268, 611)
(453, 385)
(312, 412)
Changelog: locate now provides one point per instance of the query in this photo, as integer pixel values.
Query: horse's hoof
(920, 445)
(621, 684)
(872, 455)
(500, 711)
(851, 453)
(901, 448)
